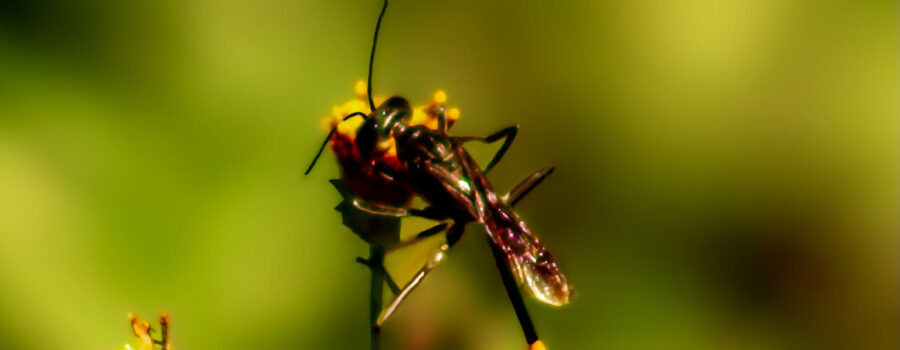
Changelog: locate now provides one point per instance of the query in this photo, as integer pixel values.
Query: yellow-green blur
(727, 171)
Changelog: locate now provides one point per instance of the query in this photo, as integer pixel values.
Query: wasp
(390, 153)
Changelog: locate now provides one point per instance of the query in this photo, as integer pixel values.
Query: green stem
(379, 232)
(376, 258)
(512, 290)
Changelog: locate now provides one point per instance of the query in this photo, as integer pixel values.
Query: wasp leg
(387, 276)
(398, 212)
(508, 135)
(511, 198)
(436, 258)
(421, 236)
(380, 209)
(390, 282)
(529, 183)
(430, 212)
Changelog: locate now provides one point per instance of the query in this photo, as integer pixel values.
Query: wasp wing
(454, 179)
(529, 261)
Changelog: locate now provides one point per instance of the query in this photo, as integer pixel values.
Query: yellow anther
(377, 99)
(538, 345)
(348, 127)
(354, 106)
(392, 151)
(440, 97)
(453, 113)
(432, 124)
(419, 117)
(361, 88)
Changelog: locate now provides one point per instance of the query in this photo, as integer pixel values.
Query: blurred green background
(726, 170)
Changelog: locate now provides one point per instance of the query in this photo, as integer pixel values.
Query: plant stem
(512, 290)
(376, 258)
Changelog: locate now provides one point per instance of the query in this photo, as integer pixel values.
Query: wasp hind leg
(421, 236)
(511, 198)
(436, 258)
(528, 184)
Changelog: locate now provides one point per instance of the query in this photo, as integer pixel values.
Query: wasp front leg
(397, 212)
(380, 209)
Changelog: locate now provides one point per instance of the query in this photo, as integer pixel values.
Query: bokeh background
(726, 170)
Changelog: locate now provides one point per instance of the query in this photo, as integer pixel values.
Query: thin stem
(512, 290)
(376, 258)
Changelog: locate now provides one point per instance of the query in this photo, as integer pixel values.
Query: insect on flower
(364, 171)
(391, 152)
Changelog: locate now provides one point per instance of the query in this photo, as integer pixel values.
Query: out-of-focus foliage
(726, 170)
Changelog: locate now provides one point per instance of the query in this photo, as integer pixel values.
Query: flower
(422, 115)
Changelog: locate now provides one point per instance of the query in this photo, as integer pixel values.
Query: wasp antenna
(328, 138)
(372, 55)
(322, 148)
(368, 91)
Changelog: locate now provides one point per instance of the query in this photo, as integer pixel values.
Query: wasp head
(375, 134)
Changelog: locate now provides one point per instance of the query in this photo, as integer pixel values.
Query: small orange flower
(141, 330)
(422, 115)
